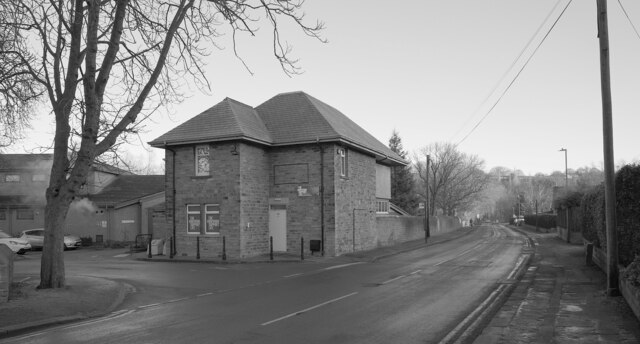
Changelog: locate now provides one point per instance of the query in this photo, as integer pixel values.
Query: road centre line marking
(205, 294)
(151, 305)
(393, 279)
(461, 254)
(308, 309)
(415, 272)
(121, 255)
(294, 275)
(178, 300)
(341, 266)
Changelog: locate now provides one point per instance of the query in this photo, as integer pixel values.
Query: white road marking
(341, 266)
(177, 300)
(151, 305)
(308, 309)
(393, 279)
(461, 254)
(415, 272)
(294, 275)
(205, 294)
(24, 279)
(121, 255)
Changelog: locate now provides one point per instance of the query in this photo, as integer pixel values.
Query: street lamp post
(566, 187)
(427, 228)
(566, 173)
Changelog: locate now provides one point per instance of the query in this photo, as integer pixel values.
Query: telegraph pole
(607, 137)
(427, 233)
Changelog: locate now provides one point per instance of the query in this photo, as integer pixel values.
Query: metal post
(171, 247)
(301, 248)
(271, 248)
(224, 248)
(197, 247)
(537, 216)
(607, 138)
(149, 255)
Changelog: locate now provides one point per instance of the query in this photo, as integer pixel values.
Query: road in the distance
(414, 297)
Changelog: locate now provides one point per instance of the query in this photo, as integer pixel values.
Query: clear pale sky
(425, 67)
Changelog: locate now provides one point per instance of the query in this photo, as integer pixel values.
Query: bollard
(589, 254)
(301, 248)
(197, 247)
(271, 248)
(149, 255)
(171, 247)
(224, 248)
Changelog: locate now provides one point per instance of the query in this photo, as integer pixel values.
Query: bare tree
(106, 66)
(456, 179)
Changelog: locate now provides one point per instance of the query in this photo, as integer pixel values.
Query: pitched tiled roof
(298, 117)
(128, 187)
(227, 120)
(286, 119)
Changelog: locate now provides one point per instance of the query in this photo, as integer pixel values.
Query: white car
(36, 238)
(17, 245)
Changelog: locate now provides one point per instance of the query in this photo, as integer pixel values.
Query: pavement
(560, 300)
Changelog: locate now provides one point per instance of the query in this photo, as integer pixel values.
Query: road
(413, 297)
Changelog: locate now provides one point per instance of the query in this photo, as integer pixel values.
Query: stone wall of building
(221, 187)
(355, 202)
(254, 200)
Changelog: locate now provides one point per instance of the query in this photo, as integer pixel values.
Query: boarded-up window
(291, 174)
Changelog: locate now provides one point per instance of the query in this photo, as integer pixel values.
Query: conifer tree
(402, 182)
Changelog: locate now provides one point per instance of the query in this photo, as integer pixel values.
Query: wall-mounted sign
(128, 221)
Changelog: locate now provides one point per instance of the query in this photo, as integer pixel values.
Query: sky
(431, 70)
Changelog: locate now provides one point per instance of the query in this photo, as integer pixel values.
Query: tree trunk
(52, 273)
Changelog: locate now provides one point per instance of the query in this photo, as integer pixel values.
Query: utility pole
(427, 233)
(566, 173)
(607, 138)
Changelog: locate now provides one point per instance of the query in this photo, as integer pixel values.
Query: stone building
(292, 168)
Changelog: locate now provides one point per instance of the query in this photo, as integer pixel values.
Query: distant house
(113, 204)
(23, 181)
(120, 211)
(292, 168)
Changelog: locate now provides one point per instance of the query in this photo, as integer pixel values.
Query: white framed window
(194, 218)
(38, 178)
(382, 207)
(202, 160)
(343, 161)
(212, 218)
(25, 214)
(12, 178)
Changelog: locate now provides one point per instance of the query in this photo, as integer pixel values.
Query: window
(25, 214)
(212, 218)
(383, 207)
(211, 215)
(193, 218)
(3, 215)
(343, 161)
(12, 178)
(202, 160)
(38, 178)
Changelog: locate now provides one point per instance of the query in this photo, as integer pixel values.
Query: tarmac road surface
(413, 297)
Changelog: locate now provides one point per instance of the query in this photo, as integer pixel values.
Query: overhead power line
(629, 19)
(506, 72)
(517, 75)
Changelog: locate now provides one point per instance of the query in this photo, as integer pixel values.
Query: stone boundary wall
(630, 293)
(6, 272)
(395, 229)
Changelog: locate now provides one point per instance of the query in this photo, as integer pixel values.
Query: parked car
(17, 245)
(36, 238)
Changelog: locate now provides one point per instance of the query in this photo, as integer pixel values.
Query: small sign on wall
(128, 221)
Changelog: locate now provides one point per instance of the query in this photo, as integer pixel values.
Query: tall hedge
(628, 212)
(592, 209)
(544, 220)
